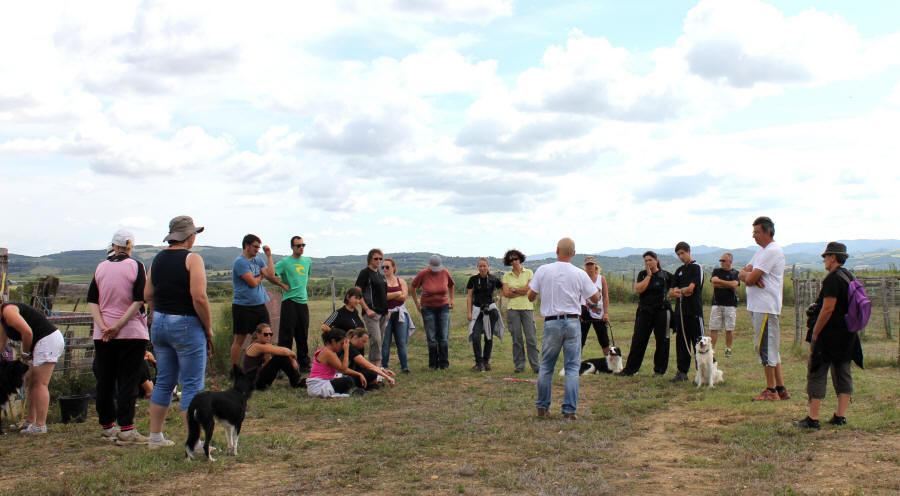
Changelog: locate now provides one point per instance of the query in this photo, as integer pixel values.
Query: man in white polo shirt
(562, 287)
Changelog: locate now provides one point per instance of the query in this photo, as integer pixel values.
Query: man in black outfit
(687, 286)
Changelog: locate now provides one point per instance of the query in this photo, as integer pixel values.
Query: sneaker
(627, 372)
(679, 377)
(109, 434)
(405, 371)
(518, 371)
(728, 353)
(807, 423)
(477, 367)
(131, 438)
(767, 395)
(25, 426)
(487, 366)
(835, 420)
(35, 429)
(162, 443)
(783, 394)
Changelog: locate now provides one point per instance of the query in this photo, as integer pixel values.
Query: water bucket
(74, 408)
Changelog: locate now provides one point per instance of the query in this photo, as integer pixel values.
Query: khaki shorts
(722, 317)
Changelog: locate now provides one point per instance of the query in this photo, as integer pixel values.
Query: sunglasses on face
(385, 267)
(722, 260)
(379, 259)
(268, 334)
(301, 245)
(590, 263)
(513, 260)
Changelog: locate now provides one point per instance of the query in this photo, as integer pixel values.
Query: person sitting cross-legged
(263, 360)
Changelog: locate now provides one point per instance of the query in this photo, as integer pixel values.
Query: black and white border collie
(610, 364)
(227, 406)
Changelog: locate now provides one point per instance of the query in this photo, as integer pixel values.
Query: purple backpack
(859, 308)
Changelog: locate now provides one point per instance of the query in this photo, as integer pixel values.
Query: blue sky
(460, 127)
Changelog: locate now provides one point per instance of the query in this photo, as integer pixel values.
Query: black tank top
(252, 364)
(40, 326)
(172, 283)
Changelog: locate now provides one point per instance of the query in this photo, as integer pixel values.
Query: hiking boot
(130, 438)
(807, 423)
(542, 412)
(728, 353)
(109, 434)
(570, 416)
(162, 443)
(767, 395)
(679, 377)
(783, 394)
(835, 420)
(477, 368)
(487, 366)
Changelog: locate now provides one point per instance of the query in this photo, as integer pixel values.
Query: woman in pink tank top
(116, 299)
(329, 375)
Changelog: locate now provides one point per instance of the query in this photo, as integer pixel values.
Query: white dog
(707, 369)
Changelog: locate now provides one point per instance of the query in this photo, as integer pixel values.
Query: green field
(461, 432)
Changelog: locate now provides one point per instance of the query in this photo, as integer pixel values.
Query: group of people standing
(123, 298)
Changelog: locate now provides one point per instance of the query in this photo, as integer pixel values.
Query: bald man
(562, 287)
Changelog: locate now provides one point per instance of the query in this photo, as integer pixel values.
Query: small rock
(467, 471)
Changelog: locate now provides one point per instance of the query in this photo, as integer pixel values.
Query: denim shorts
(179, 344)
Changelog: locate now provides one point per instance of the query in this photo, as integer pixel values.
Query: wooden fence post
(4, 275)
(885, 304)
(333, 301)
(796, 304)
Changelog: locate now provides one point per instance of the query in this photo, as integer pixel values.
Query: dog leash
(684, 334)
(611, 336)
(213, 373)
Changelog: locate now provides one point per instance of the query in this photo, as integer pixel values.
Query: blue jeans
(399, 331)
(559, 334)
(437, 332)
(179, 344)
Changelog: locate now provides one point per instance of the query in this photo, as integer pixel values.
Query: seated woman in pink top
(330, 376)
(116, 300)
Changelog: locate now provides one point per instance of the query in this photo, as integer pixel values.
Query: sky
(460, 127)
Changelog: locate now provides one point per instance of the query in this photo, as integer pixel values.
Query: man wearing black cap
(832, 345)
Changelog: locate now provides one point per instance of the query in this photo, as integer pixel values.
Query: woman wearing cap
(182, 326)
(42, 345)
(652, 316)
(520, 311)
(435, 306)
(596, 314)
(116, 300)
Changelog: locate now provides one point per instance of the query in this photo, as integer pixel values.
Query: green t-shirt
(519, 302)
(294, 272)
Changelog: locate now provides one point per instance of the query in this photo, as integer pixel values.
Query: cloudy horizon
(464, 127)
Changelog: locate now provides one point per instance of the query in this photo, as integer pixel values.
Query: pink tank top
(115, 282)
(321, 370)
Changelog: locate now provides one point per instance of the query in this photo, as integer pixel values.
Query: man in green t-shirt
(293, 271)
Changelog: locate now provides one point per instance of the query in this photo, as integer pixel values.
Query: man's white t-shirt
(770, 260)
(562, 287)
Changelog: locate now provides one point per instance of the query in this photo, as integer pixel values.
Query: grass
(459, 432)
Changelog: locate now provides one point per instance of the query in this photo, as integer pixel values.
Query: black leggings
(370, 376)
(601, 328)
(266, 375)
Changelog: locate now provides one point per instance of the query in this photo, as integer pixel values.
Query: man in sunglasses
(293, 271)
(725, 284)
(374, 303)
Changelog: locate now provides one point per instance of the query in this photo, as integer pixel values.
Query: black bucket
(74, 408)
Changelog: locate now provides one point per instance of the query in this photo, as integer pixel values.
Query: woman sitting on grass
(263, 360)
(346, 317)
(358, 339)
(329, 376)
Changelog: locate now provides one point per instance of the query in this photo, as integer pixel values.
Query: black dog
(227, 406)
(12, 377)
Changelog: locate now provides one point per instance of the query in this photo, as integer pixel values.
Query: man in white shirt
(562, 287)
(763, 277)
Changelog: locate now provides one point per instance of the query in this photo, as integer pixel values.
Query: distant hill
(884, 254)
